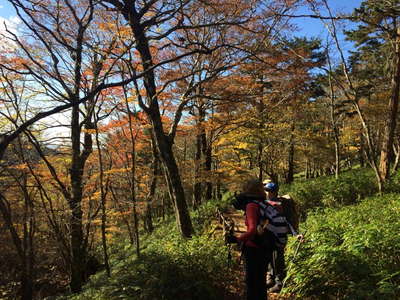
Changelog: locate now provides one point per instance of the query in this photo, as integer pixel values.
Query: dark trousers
(256, 262)
(277, 267)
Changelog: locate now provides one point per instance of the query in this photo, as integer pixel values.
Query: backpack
(290, 211)
(272, 227)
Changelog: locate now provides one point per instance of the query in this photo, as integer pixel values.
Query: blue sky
(6, 10)
(314, 27)
(307, 26)
(311, 27)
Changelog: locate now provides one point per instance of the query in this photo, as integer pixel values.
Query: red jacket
(252, 218)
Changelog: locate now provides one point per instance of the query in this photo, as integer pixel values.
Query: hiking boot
(270, 282)
(276, 288)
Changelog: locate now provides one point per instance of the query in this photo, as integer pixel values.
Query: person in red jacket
(256, 258)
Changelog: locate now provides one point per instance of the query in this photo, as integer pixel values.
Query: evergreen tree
(378, 40)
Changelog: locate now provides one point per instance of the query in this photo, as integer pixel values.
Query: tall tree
(170, 24)
(19, 211)
(380, 22)
(67, 68)
(351, 88)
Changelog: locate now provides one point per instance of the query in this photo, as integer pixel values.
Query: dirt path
(237, 287)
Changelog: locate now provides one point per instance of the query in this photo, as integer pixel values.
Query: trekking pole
(228, 226)
(230, 229)
(293, 258)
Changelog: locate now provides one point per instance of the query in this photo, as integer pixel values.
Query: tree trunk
(391, 120)
(132, 178)
(207, 167)
(29, 232)
(163, 207)
(396, 151)
(26, 263)
(197, 184)
(150, 197)
(74, 199)
(370, 151)
(337, 154)
(78, 250)
(175, 187)
(103, 204)
(361, 151)
(125, 220)
(132, 196)
(206, 154)
(307, 169)
(290, 174)
(164, 144)
(26, 284)
(260, 161)
(336, 132)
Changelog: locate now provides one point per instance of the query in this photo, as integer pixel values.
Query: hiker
(256, 257)
(285, 205)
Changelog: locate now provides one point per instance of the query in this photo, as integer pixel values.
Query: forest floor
(237, 287)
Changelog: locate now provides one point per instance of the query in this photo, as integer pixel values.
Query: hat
(271, 187)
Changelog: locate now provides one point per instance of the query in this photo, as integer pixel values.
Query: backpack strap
(277, 223)
(292, 231)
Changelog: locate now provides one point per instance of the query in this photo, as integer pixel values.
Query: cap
(271, 187)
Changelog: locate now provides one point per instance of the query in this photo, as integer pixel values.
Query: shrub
(349, 188)
(349, 253)
(169, 267)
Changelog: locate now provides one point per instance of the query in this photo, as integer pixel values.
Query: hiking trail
(237, 287)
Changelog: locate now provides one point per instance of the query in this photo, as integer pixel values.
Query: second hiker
(286, 206)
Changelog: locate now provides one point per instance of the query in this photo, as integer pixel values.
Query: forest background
(117, 114)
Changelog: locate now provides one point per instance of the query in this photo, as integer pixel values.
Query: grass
(350, 252)
(351, 249)
(169, 266)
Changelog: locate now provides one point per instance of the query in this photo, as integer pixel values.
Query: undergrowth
(169, 267)
(349, 253)
(349, 188)
(351, 249)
